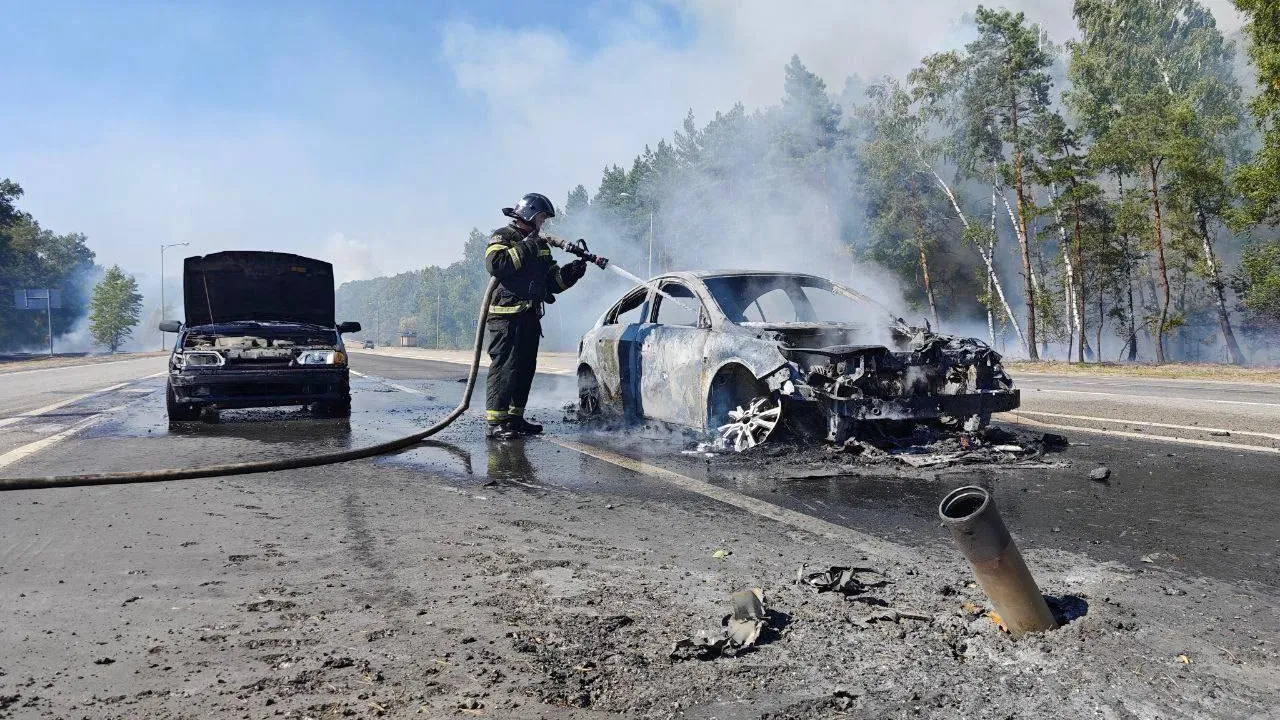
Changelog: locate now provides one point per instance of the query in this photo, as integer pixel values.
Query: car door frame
(673, 361)
(616, 367)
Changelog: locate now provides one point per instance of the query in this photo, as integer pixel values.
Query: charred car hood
(243, 285)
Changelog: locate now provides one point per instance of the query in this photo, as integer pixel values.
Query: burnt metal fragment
(976, 526)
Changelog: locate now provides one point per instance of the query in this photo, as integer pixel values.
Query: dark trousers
(513, 351)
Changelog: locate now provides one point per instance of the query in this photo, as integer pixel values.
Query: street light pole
(650, 243)
(162, 247)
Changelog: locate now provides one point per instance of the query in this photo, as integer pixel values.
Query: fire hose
(295, 463)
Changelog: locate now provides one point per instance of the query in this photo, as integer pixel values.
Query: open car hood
(255, 285)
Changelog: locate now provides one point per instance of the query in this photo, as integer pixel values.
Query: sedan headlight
(200, 359)
(321, 357)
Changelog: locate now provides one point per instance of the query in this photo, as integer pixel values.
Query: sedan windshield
(785, 299)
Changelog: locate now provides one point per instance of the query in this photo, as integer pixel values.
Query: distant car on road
(368, 345)
(744, 353)
(260, 332)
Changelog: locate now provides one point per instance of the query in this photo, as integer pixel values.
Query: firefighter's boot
(502, 430)
(524, 427)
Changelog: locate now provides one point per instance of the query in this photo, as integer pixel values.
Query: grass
(1174, 371)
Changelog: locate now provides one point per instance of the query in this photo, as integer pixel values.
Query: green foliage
(1259, 181)
(32, 257)
(115, 308)
(1155, 113)
(1257, 284)
(436, 302)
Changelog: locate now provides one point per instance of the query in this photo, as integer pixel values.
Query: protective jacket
(527, 276)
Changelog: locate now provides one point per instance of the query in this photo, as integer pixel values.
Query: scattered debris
(887, 615)
(841, 579)
(1150, 558)
(1100, 474)
(1220, 433)
(721, 554)
(1184, 659)
(742, 628)
(1054, 441)
(104, 661)
(747, 619)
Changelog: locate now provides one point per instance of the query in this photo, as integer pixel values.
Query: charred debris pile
(921, 447)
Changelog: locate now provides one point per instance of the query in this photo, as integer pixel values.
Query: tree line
(33, 257)
(1117, 192)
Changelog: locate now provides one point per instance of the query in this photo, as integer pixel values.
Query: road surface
(465, 577)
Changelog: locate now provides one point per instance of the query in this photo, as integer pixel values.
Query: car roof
(712, 274)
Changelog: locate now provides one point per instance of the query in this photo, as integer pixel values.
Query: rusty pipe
(975, 524)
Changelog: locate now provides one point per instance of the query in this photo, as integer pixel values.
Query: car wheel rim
(751, 426)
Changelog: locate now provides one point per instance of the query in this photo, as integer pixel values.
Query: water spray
(579, 248)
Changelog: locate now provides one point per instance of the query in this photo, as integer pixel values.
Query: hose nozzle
(578, 248)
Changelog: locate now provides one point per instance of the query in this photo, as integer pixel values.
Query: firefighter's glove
(530, 246)
(574, 271)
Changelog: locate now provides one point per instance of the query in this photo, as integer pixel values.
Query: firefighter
(520, 258)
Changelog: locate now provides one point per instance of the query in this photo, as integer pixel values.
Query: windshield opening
(784, 299)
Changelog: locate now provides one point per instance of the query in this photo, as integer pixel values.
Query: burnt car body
(259, 332)
(744, 352)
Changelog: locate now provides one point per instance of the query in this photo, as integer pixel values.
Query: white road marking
(140, 391)
(1140, 436)
(388, 383)
(60, 404)
(1155, 397)
(74, 367)
(1122, 421)
(25, 451)
(816, 526)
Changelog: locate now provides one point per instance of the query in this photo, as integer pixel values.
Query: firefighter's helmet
(530, 206)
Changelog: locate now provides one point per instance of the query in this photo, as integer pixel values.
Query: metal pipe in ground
(975, 524)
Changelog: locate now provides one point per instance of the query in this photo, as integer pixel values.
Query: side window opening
(688, 312)
(632, 310)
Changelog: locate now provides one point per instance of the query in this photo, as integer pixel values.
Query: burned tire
(179, 412)
(590, 397)
(741, 409)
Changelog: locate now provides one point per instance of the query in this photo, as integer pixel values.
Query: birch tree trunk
(1215, 280)
(986, 256)
(1023, 240)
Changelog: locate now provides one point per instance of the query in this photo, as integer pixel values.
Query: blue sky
(376, 134)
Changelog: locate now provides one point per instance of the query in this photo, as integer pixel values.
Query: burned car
(260, 332)
(744, 354)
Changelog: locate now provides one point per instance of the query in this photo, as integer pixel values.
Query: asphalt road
(1192, 511)
(1200, 500)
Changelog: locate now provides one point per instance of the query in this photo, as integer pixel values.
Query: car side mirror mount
(172, 326)
(349, 327)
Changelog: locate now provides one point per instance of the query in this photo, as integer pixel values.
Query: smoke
(352, 259)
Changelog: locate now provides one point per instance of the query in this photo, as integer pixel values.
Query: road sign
(37, 299)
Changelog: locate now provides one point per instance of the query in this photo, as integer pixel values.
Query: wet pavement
(1201, 511)
(555, 580)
